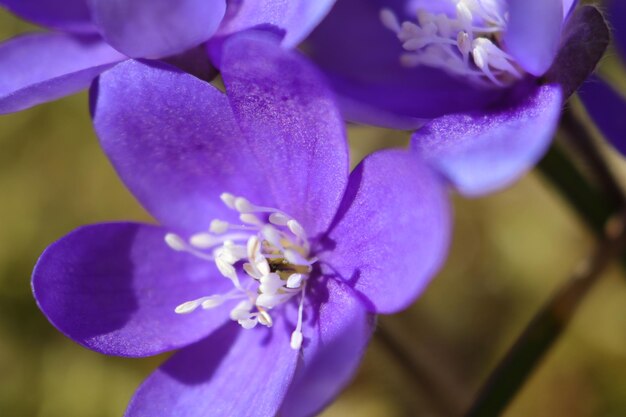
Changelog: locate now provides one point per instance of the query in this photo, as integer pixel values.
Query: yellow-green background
(510, 251)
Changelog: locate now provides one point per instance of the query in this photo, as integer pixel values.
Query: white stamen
(296, 336)
(175, 242)
(279, 219)
(218, 226)
(465, 44)
(294, 280)
(228, 199)
(271, 247)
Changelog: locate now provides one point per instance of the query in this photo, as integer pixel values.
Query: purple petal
(37, 68)
(66, 15)
(361, 58)
(157, 28)
(114, 287)
(484, 151)
(617, 16)
(296, 17)
(568, 6)
(175, 143)
(234, 372)
(534, 32)
(293, 127)
(607, 109)
(585, 38)
(331, 357)
(392, 231)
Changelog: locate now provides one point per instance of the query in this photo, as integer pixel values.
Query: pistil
(271, 249)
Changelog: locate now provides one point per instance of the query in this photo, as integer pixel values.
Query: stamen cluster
(270, 250)
(465, 44)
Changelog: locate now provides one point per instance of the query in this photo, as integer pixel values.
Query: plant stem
(545, 328)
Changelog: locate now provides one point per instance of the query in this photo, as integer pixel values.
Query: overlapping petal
(534, 32)
(66, 15)
(156, 28)
(290, 120)
(233, 372)
(337, 336)
(391, 233)
(607, 107)
(362, 60)
(114, 287)
(36, 68)
(483, 152)
(175, 143)
(295, 17)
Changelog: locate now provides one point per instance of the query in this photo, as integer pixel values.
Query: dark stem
(590, 204)
(582, 141)
(437, 380)
(545, 328)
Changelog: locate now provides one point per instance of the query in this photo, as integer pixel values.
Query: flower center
(464, 43)
(266, 257)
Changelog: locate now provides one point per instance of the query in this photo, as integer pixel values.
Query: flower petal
(607, 109)
(292, 124)
(585, 38)
(361, 58)
(68, 15)
(534, 49)
(233, 372)
(391, 233)
(568, 6)
(114, 287)
(37, 68)
(296, 17)
(156, 28)
(485, 151)
(175, 143)
(340, 333)
(617, 16)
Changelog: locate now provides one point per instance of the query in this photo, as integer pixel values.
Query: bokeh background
(510, 252)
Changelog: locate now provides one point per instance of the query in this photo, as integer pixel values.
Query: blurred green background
(510, 251)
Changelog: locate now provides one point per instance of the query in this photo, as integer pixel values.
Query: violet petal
(533, 33)
(41, 67)
(484, 151)
(617, 16)
(330, 358)
(292, 125)
(114, 288)
(607, 108)
(296, 18)
(233, 372)
(174, 142)
(156, 28)
(67, 15)
(392, 230)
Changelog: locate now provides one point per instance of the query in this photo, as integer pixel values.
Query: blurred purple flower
(486, 78)
(606, 105)
(97, 34)
(261, 225)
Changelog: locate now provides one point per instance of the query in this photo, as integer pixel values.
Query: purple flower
(97, 34)
(604, 103)
(269, 259)
(487, 77)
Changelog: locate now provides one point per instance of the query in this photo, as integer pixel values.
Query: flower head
(269, 260)
(485, 80)
(97, 34)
